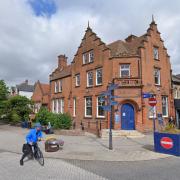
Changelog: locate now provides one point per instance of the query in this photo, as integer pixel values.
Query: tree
(3, 91)
(3, 98)
(19, 108)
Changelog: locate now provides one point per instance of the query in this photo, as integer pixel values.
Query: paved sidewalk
(86, 147)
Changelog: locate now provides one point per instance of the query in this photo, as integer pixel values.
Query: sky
(34, 32)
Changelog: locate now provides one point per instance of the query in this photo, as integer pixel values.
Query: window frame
(86, 106)
(97, 108)
(85, 58)
(155, 56)
(60, 85)
(56, 88)
(166, 101)
(88, 78)
(62, 105)
(159, 76)
(121, 69)
(74, 107)
(91, 56)
(53, 106)
(76, 79)
(97, 76)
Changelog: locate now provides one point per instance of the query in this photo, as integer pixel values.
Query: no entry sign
(166, 142)
(152, 101)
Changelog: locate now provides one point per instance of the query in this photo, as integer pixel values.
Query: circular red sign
(152, 101)
(166, 142)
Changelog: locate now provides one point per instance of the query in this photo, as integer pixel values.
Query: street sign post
(113, 86)
(108, 107)
(152, 102)
(113, 103)
(147, 95)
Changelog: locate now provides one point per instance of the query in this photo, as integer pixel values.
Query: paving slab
(87, 147)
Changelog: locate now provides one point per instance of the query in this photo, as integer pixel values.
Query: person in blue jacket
(32, 137)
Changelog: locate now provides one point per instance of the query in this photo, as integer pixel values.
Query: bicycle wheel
(39, 157)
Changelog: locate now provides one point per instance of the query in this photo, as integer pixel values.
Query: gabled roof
(25, 87)
(176, 78)
(123, 48)
(58, 74)
(45, 88)
(45, 92)
(45, 99)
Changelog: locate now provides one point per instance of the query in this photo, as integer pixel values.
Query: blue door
(127, 117)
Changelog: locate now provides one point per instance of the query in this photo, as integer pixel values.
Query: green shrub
(66, 121)
(15, 118)
(42, 116)
(58, 121)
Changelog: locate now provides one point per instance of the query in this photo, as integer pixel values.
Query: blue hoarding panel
(167, 143)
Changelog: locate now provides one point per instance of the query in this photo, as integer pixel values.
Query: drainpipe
(140, 76)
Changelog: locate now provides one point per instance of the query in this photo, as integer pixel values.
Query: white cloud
(29, 45)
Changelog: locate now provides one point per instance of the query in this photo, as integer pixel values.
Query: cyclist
(32, 137)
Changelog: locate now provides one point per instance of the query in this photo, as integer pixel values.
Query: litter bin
(52, 145)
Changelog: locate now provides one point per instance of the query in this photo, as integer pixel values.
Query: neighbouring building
(137, 64)
(41, 96)
(23, 89)
(176, 92)
(61, 87)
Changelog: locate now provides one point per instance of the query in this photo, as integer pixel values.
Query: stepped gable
(88, 33)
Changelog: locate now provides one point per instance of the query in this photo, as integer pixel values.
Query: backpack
(26, 148)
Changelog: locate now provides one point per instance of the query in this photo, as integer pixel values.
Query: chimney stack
(130, 38)
(62, 61)
(26, 81)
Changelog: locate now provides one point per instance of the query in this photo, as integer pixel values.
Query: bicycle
(38, 155)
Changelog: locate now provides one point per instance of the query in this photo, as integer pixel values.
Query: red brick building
(41, 96)
(137, 64)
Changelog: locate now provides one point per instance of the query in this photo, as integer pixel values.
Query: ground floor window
(165, 106)
(58, 105)
(100, 103)
(37, 107)
(74, 107)
(88, 106)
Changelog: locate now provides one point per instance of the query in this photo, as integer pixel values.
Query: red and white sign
(166, 142)
(152, 101)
